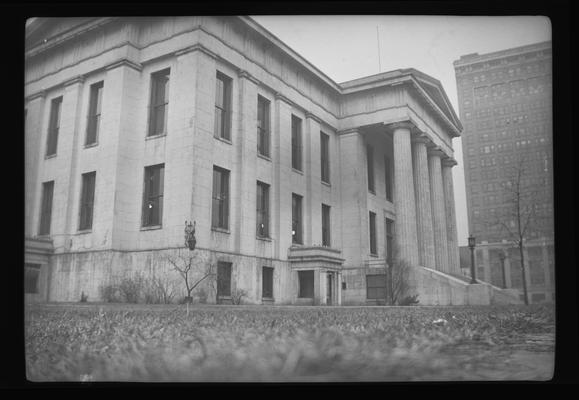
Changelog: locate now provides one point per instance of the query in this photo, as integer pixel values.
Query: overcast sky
(346, 47)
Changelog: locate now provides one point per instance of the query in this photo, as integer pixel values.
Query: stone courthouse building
(300, 187)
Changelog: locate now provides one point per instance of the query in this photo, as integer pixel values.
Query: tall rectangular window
(376, 287)
(263, 126)
(372, 223)
(370, 167)
(325, 156)
(94, 113)
(326, 237)
(296, 219)
(389, 241)
(153, 195)
(296, 143)
(223, 279)
(388, 178)
(159, 103)
(53, 126)
(262, 203)
(267, 282)
(222, 127)
(31, 275)
(220, 204)
(87, 201)
(306, 284)
(46, 208)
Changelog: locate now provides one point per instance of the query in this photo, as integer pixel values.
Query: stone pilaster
(32, 157)
(404, 194)
(425, 234)
(438, 209)
(451, 233)
(69, 145)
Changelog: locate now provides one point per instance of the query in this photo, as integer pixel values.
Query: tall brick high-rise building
(506, 109)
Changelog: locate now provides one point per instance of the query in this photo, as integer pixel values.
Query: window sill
(153, 137)
(50, 156)
(264, 157)
(88, 146)
(268, 299)
(328, 184)
(374, 255)
(84, 231)
(221, 230)
(224, 140)
(264, 238)
(297, 171)
(372, 192)
(151, 228)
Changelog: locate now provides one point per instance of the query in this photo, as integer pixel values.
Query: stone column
(438, 209)
(404, 194)
(425, 234)
(451, 234)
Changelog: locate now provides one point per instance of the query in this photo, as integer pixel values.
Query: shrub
(110, 293)
(409, 301)
(237, 296)
(83, 297)
(131, 289)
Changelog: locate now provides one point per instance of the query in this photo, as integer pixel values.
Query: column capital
(312, 116)
(420, 138)
(402, 125)
(72, 81)
(449, 162)
(38, 95)
(244, 74)
(349, 131)
(435, 151)
(279, 96)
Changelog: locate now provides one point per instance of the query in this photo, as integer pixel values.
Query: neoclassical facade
(302, 190)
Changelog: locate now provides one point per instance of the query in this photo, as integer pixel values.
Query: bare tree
(185, 265)
(519, 218)
(397, 280)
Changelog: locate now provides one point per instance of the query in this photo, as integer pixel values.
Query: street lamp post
(471, 245)
(502, 256)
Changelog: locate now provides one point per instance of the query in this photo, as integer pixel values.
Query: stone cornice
(196, 47)
(421, 138)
